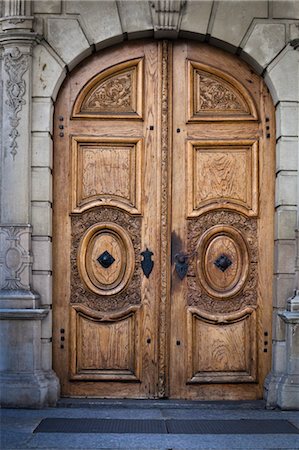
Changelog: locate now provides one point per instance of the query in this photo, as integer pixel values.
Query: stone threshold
(161, 404)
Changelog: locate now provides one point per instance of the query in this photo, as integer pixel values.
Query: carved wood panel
(221, 349)
(222, 175)
(106, 258)
(118, 233)
(214, 94)
(238, 241)
(104, 347)
(116, 92)
(106, 171)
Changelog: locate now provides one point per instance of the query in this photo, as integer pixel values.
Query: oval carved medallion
(106, 258)
(222, 261)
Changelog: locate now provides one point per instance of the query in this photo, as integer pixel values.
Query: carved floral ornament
(114, 93)
(16, 64)
(215, 95)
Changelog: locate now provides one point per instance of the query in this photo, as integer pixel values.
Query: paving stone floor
(17, 426)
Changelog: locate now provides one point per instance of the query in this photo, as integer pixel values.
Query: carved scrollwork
(216, 95)
(15, 64)
(117, 92)
(197, 294)
(131, 295)
(15, 257)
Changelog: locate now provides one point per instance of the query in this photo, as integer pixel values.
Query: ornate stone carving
(167, 17)
(197, 296)
(15, 257)
(214, 94)
(16, 15)
(16, 64)
(79, 294)
(164, 224)
(112, 95)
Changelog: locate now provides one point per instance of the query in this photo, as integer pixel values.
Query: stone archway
(50, 59)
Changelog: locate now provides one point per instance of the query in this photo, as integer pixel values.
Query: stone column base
(24, 383)
(29, 390)
(288, 392)
(271, 387)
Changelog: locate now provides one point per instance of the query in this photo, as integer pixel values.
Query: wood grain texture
(212, 342)
(222, 175)
(195, 170)
(106, 171)
(219, 157)
(104, 348)
(113, 240)
(106, 197)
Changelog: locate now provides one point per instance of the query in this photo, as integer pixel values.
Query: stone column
(282, 385)
(23, 382)
(288, 389)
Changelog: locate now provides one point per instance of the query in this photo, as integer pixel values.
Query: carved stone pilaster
(15, 64)
(17, 15)
(25, 379)
(15, 258)
(167, 16)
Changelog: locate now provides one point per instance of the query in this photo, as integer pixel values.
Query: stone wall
(57, 35)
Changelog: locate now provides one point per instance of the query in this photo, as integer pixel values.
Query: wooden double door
(163, 225)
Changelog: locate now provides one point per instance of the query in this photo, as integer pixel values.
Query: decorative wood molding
(106, 258)
(113, 355)
(115, 93)
(165, 223)
(217, 339)
(128, 291)
(15, 257)
(106, 171)
(222, 244)
(222, 175)
(200, 295)
(222, 319)
(216, 95)
(16, 65)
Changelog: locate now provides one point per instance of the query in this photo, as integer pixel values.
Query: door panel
(221, 208)
(105, 216)
(163, 225)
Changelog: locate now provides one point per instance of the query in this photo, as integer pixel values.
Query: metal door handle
(182, 263)
(147, 264)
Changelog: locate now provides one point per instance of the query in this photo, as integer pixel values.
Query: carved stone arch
(216, 95)
(113, 93)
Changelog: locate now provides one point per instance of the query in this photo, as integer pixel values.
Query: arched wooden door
(163, 225)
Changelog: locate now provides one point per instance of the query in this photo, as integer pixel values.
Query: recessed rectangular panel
(106, 172)
(104, 349)
(221, 352)
(222, 175)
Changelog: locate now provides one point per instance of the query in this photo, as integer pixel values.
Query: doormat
(242, 426)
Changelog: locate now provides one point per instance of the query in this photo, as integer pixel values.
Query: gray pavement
(17, 426)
